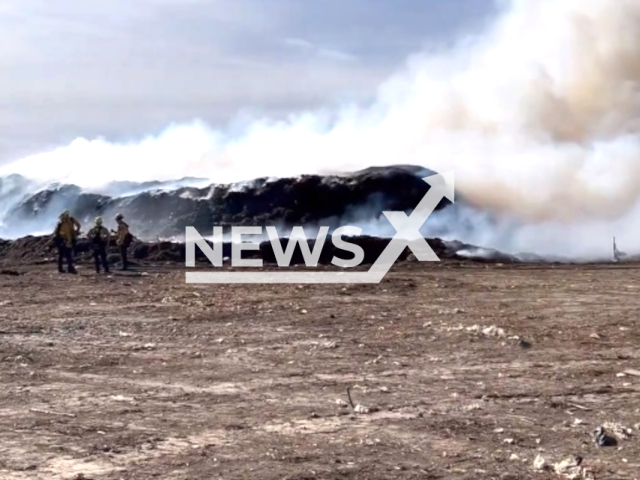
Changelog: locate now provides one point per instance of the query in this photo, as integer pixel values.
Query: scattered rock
(491, 331)
(570, 468)
(375, 360)
(539, 463)
(451, 311)
(620, 431)
(602, 439)
(523, 344)
(122, 398)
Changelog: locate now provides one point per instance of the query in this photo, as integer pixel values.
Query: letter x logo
(408, 227)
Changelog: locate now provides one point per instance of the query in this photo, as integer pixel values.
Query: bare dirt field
(146, 377)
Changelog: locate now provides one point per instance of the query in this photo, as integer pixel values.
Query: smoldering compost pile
(164, 209)
(155, 210)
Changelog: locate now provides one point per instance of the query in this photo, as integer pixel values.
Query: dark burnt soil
(41, 249)
(141, 376)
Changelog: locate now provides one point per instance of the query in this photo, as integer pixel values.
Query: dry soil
(142, 376)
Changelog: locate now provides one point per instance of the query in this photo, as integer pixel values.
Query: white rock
(539, 463)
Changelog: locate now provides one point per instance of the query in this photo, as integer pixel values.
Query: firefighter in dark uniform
(99, 237)
(123, 240)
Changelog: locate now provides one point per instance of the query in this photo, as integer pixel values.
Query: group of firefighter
(68, 230)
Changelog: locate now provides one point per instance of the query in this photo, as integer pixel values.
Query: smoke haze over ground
(539, 117)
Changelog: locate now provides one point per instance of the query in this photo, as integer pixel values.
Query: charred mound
(158, 210)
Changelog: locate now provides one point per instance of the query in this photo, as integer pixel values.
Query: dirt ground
(143, 376)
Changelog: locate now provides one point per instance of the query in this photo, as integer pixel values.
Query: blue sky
(128, 68)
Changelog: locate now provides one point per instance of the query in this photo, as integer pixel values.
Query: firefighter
(123, 240)
(65, 236)
(99, 237)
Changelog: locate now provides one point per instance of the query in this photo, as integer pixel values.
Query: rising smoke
(538, 116)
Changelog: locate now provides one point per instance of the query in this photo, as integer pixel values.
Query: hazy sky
(128, 68)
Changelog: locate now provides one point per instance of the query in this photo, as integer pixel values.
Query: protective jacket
(99, 237)
(67, 230)
(123, 236)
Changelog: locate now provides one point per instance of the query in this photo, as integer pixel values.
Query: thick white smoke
(539, 118)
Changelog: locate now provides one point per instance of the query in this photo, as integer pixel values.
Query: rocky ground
(468, 371)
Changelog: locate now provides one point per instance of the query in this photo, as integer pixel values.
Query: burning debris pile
(164, 210)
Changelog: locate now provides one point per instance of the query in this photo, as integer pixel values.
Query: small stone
(602, 439)
(539, 463)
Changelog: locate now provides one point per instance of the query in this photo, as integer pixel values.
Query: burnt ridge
(164, 209)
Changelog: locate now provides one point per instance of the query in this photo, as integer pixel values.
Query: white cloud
(318, 51)
(127, 68)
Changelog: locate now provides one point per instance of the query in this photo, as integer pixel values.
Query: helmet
(119, 216)
(65, 214)
(98, 220)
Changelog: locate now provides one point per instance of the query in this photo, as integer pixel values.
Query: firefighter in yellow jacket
(123, 240)
(65, 236)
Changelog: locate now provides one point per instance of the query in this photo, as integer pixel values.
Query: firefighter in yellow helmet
(123, 240)
(99, 238)
(65, 236)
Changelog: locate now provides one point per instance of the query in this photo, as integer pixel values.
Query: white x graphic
(407, 227)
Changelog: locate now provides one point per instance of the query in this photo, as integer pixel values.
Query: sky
(125, 69)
